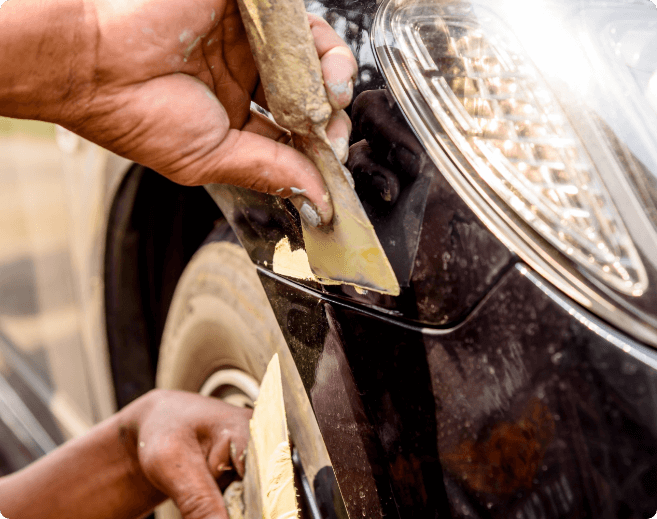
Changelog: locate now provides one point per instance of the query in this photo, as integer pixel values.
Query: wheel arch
(154, 226)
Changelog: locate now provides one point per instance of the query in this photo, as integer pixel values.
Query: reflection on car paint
(564, 442)
(553, 500)
(444, 267)
(479, 391)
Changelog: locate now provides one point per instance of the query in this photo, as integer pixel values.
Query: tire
(219, 336)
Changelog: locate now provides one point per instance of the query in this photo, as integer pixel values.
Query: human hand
(171, 87)
(183, 443)
(165, 443)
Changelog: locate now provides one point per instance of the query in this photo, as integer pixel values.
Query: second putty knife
(348, 251)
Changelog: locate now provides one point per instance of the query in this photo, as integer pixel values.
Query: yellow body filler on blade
(348, 251)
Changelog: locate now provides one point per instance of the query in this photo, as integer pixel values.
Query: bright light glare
(509, 126)
(651, 92)
(550, 43)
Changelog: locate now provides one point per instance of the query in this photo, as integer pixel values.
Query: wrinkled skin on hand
(165, 443)
(171, 85)
(184, 442)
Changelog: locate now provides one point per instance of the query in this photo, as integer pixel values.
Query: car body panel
(529, 408)
(501, 397)
(481, 391)
(456, 258)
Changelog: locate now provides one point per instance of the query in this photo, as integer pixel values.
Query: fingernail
(342, 93)
(350, 88)
(350, 92)
(309, 214)
(307, 211)
(341, 149)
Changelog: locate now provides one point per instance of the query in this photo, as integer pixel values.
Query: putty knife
(348, 251)
(269, 490)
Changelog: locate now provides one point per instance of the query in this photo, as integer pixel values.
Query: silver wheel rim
(233, 386)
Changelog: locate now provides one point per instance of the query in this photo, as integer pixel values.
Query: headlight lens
(500, 120)
(505, 121)
(543, 117)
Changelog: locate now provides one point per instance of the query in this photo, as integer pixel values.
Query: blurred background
(40, 318)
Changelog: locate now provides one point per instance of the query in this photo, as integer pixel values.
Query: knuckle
(161, 455)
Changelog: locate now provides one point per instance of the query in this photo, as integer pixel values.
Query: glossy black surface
(480, 391)
(444, 257)
(525, 410)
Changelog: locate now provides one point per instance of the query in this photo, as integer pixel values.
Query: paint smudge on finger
(186, 35)
(190, 48)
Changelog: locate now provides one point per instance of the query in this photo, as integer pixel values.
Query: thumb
(195, 492)
(177, 126)
(179, 469)
(249, 160)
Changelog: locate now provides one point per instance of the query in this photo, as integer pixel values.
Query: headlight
(543, 116)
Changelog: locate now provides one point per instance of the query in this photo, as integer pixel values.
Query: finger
(230, 61)
(338, 131)
(204, 501)
(229, 433)
(179, 470)
(238, 454)
(250, 160)
(176, 126)
(218, 459)
(339, 66)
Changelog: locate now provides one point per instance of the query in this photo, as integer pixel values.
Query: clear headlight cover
(543, 115)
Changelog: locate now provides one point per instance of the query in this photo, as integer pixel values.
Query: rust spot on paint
(506, 459)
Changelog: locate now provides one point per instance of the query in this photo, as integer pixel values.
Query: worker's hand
(171, 89)
(184, 442)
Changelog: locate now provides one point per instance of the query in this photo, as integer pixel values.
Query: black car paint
(480, 391)
(524, 410)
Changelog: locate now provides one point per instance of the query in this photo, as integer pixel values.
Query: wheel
(218, 338)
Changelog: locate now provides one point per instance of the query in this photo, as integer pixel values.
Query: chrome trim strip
(22, 423)
(15, 414)
(640, 352)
